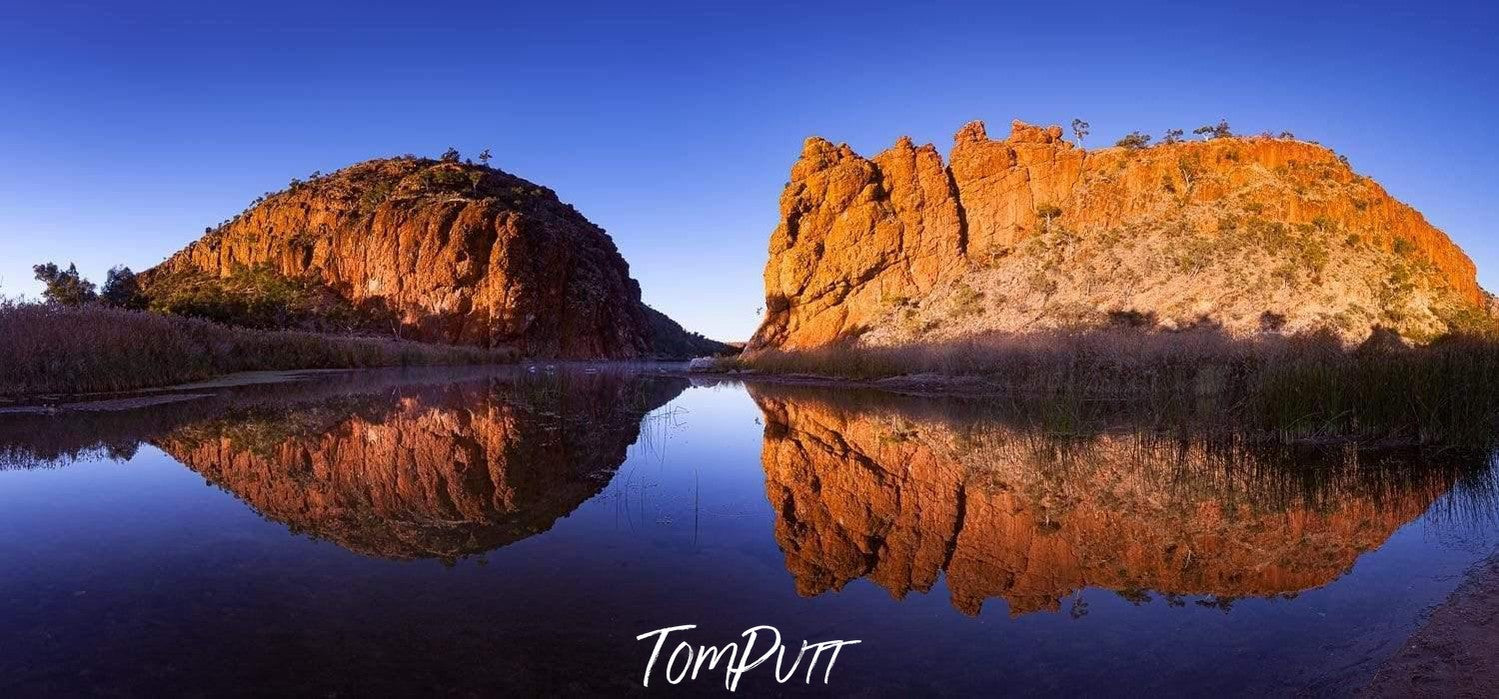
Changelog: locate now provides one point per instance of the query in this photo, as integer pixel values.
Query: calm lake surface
(489, 531)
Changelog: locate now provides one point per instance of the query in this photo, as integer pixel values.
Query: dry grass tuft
(1293, 388)
(47, 348)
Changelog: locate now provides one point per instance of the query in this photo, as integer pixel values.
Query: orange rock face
(859, 236)
(460, 253)
(438, 473)
(899, 496)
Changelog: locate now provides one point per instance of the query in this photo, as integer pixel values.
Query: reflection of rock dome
(435, 472)
(901, 497)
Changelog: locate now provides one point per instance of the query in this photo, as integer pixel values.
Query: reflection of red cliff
(900, 499)
(439, 473)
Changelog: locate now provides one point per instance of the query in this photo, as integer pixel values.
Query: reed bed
(50, 348)
(1296, 388)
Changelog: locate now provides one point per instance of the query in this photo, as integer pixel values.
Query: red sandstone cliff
(458, 252)
(1032, 231)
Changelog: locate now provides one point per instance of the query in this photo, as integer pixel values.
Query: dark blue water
(485, 533)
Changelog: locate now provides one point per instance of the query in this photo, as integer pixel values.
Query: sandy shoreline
(1456, 652)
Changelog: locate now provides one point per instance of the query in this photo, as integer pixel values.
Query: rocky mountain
(446, 251)
(1253, 234)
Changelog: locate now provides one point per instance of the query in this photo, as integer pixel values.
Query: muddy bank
(1456, 653)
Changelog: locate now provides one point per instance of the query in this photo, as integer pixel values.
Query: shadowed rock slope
(1032, 232)
(448, 252)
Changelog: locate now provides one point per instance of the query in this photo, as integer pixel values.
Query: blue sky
(126, 128)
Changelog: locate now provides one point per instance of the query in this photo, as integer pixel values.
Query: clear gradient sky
(127, 127)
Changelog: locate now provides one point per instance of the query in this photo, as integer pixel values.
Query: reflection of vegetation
(436, 464)
(1182, 458)
(1223, 604)
(443, 471)
(262, 429)
(1079, 608)
(31, 439)
(1006, 503)
(1188, 466)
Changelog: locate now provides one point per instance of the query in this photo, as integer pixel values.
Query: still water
(492, 531)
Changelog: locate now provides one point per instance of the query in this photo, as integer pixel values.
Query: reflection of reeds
(398, 463)
(1235, 472)
(28, 440)
(1290, 389)
(50, 348)
(15, 458)
(901, 489)
(1190, 461)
